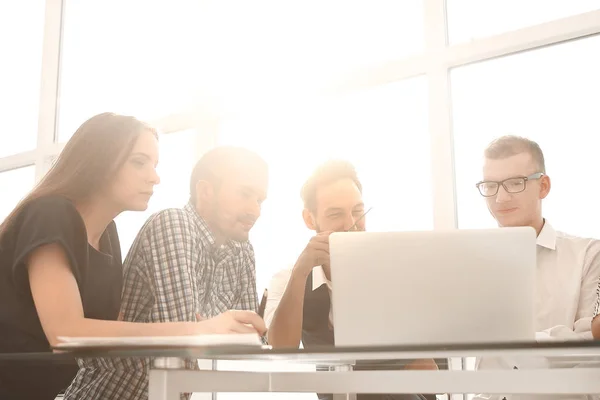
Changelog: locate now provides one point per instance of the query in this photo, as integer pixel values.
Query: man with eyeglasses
(568, 267)
(514, 185)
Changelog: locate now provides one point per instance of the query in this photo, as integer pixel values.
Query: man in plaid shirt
(187, 264)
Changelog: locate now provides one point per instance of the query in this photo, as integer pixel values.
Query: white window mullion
(175, 122)
(440, 125)
(440, 128)
(503, 44)
(532, 37)
(17, 160)
(46, 148)
(388, 72)
(442, 150)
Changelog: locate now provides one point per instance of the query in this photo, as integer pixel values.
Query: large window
(21, 40)
(382, 131)
(141, 63)
(154, 58)
(14, 185)
(548, 95)
(257, 70)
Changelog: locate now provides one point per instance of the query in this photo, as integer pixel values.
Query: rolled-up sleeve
(163, 257)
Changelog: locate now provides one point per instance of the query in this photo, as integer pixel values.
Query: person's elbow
(52, 338)
(62, 326)
(279, 339)
(285, 343)
(596, 328)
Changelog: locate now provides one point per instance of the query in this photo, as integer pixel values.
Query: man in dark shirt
(299, 303)
(190, 263)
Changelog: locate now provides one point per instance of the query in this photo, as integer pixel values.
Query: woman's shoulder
(51, 213)
(51, 203)
(53, 206)
(47, 220)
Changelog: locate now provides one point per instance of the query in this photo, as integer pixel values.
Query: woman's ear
(309, 220)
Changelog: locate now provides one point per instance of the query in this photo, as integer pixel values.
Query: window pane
(159, 57)
(21, 42)
(472, 19)
(549, 95)
(178, 154)
(382, 131)
(14, 185)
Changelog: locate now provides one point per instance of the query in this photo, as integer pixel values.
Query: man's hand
(316, 253)
(233, 321)
(426, 364)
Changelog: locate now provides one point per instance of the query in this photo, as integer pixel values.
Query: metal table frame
(168, 380)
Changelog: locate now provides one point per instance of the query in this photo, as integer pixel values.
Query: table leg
(158, 379)
(215, 367)
(343, 396)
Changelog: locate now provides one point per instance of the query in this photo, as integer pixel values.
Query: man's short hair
(510, 145)
(328, 172)
(223, 161)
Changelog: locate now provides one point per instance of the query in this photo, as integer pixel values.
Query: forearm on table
(86, 327)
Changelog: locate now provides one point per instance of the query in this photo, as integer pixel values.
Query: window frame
(436, 61)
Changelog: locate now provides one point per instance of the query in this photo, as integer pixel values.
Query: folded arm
(588, 300)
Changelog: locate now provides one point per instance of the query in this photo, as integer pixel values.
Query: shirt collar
(206, 235)
(318, 278)
(547, 236)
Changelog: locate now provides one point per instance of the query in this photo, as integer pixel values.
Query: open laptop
(436, 287)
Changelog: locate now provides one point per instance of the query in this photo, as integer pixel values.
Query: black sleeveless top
(98, 274)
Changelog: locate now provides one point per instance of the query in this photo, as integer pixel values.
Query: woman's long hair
(88, 162)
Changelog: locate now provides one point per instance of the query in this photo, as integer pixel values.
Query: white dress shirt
(568, 272)
(279, 283)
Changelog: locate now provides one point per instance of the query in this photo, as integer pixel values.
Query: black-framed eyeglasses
(511, 185)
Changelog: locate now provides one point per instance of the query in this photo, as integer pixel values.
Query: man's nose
(350, 224)
(254, 209)
(502, 195)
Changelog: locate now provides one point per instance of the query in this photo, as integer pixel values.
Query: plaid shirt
(173, 272)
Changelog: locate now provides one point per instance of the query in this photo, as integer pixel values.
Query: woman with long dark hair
(60, 259)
